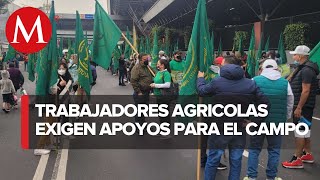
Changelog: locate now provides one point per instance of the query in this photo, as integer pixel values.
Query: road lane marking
(62, 169)
(56, 166)
(38, 175)
(315, 118)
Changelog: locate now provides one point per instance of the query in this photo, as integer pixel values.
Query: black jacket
(297, 79)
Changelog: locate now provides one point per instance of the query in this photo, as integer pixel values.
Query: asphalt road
(18, 164)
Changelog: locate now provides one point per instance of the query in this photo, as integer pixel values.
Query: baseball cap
(270, 63)
(301, 50)
(161, 53)
(218, 60)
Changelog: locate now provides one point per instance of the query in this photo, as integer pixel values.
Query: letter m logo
(27, 37)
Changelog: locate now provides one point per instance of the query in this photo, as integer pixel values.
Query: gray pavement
(16, 163)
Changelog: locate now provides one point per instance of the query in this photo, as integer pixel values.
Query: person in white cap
(304, 85)
(162, 54)
(281, 100)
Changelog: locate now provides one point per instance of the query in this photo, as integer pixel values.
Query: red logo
(28, 30)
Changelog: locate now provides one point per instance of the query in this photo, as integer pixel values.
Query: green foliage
(211, 25)
(186, 35)
(173, 35)
(296, 34)
(237, 37)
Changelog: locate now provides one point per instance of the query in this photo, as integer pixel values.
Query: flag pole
(134, 49)
(199, 147)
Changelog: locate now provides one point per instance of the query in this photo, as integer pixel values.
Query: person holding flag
(231, 83)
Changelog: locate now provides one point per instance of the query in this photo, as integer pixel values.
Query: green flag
(266, 47)
(167, 43)
(48, 61)
(52, 51)
(42, 84)
(106, 35)
(84, 69)
(60, 47)
(282, 50)
(32, 60)
(141, 45)
(116, 57)
(155, 50)
(148, 48)
(198, 55)
(240, 49)
(10, 54)
(91, 48)
(251, 56)
(209, 75)
(127, 51)
(220, 48)
(259, 53)
(70, 48)
(176, 47)
(315, 54)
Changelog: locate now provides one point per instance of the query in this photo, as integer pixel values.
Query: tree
(3, 3)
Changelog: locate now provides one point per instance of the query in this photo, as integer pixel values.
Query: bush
(237, 37)
(187, 35)
(296, 34)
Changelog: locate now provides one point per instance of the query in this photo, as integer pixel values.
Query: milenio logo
(28, 30)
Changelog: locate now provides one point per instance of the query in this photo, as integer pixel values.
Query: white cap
(161, 52)
(164, 58)
(270, 62)
(301, 50)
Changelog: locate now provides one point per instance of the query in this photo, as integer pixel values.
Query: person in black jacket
(122, 69)
(304, 86)
(64, 78)
(230, 88)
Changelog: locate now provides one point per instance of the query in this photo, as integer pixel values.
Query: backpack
(170, 94)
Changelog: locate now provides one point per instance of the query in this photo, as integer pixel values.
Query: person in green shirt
(162, 80)
(177, 67)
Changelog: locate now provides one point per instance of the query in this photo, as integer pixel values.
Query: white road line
(316, 118)
(61, 174)
(56, 166)
(38, 175)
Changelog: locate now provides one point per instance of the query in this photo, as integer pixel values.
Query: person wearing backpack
(162, 80)
(7, 90)
(15, 76)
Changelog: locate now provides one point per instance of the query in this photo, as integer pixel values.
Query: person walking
(15, 60)
(7, 90)
(230, 88)
(304, 85)
(15, 76)
(141, 78)
(25, 59)
(281, 99)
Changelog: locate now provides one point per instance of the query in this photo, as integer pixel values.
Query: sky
(65, 6)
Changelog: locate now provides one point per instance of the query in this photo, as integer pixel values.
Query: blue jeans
(274, 145)
(214, 155)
